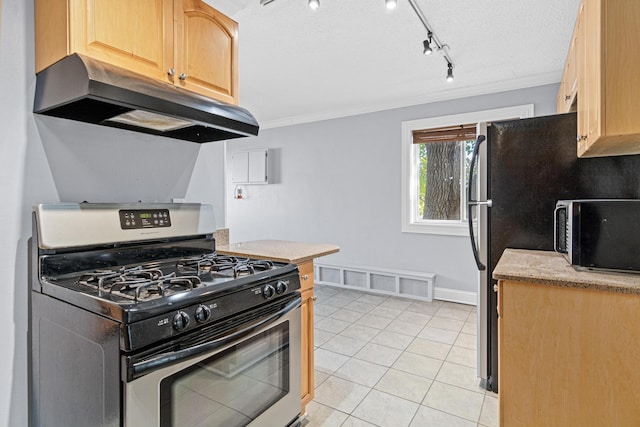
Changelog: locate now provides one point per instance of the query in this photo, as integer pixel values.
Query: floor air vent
(408, 284)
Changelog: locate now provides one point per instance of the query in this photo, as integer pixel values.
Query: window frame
(409, 166)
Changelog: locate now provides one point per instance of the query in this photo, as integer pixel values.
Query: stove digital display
(134, 219)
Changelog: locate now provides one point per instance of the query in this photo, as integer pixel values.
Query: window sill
(453, 228)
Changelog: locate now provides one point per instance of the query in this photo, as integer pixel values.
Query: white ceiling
(355, 56)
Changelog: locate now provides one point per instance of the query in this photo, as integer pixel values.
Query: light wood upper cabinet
(608, 89)
(182, 42)
(569, 83)
(206, 50)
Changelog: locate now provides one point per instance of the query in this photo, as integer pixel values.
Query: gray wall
(339, 181)
(49, 160)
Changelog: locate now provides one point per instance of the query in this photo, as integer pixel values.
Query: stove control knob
(281, 287)
(203, 313)
(181, 321)
(268, 291)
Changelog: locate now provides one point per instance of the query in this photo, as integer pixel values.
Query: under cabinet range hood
(84, 89)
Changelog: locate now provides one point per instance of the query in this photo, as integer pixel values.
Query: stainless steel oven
(246, 376)
(139, 323)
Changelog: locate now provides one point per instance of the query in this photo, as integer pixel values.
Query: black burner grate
(235, 266)
(138, 283)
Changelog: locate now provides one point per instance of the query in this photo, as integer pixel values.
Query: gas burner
(138, 283)
(249, 267)
(209, 262)
(222, 264)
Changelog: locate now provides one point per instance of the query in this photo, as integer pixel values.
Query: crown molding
(445, 95)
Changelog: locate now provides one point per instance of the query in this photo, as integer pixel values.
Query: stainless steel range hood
(84, 89)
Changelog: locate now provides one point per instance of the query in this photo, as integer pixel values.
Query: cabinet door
(258, 166)
(567, 356)
(593, 77)
(560, 97)
(136, 35)
(568, 84)
(582, 80)
(206, 51)
(239, 167)
(608, 98)
(307, 348)
(306, 275)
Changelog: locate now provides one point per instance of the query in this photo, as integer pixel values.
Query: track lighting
(449, 72)
(427, 45)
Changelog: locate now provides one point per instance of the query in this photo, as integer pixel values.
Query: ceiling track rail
(441, 46)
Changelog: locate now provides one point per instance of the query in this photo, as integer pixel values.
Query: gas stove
(134, 315)
(156, 260)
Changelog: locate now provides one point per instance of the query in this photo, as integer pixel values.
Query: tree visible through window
(436, 155)
(443, 157)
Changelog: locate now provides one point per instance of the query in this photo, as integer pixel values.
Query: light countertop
(278, 250)
(551, 268)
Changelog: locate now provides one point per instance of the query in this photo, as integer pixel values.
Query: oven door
(247, 376)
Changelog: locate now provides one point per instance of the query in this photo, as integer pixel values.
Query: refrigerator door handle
(488, 203)
(471, 203)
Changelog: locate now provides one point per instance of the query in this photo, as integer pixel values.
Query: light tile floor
(393, 362)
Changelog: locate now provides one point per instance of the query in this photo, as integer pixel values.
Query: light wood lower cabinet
(306, 287)
(307, 348)
(567, 356)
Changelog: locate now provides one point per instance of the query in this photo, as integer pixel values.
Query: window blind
(445, 134)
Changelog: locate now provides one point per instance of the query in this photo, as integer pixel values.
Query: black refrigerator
(519, 169)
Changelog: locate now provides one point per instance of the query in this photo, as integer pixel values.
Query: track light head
(391, 4)
(427, 44)
(449, 72)
(427, 47)
(314, 4)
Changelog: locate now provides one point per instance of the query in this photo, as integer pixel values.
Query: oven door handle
(162, 360)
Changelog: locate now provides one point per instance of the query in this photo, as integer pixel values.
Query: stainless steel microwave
(599, 233)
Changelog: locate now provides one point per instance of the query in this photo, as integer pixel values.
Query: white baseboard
(453, 295)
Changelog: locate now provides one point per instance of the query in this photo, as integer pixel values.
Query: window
(436, 154)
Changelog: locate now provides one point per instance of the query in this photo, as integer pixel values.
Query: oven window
(232, 387)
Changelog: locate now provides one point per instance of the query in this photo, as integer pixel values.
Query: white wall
(207, 180)
(48, 160)
(338, 181)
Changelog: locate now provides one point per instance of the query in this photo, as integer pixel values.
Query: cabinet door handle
(581, 138)
(171, 71)
(305, 277)
(314, 297)
(567, 97)
(183, 77)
